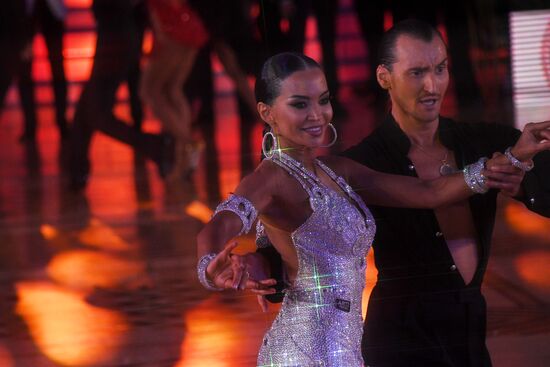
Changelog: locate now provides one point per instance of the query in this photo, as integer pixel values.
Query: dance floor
(106, 277)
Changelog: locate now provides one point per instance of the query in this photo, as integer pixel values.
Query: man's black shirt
(409, 245)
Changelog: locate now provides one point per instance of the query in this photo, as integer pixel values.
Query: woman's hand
(534, 139)
(239, 272)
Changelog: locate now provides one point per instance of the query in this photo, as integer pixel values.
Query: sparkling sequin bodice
(320, 322)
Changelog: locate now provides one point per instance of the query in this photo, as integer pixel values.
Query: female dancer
(320, 225)
(179, 34)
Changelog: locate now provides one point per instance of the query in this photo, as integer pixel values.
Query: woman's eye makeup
(299, 104)
(303, 103)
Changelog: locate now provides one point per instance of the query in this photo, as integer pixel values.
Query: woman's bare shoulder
(266, 172)
(340, 165)
(264, 182)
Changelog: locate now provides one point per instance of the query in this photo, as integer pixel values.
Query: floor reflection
(66, 329)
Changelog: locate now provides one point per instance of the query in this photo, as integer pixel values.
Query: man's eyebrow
(419, 68)
(426, 68)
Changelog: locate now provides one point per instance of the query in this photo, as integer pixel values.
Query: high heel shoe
(187, 158)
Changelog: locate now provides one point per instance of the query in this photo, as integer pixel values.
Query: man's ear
(264, 110)
(383, 77)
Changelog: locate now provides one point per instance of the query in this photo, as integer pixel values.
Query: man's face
(418, 80)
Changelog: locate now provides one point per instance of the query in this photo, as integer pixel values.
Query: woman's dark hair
(413, 28)
(276, 69)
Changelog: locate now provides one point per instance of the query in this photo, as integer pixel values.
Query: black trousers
(53, 30)
(9, 63)
(444, 329)
(276, 41)
(115, 51)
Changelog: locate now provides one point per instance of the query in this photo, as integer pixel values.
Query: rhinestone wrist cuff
(243, 208)
(525, 167)
(474, 178)
(201, 272)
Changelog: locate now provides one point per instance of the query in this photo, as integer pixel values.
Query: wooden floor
(106, 277)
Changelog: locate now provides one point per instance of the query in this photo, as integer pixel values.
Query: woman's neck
(304, 155)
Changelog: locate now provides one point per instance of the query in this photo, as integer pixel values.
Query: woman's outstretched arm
(378, 188)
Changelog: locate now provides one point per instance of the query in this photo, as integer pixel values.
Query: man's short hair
(413, 28)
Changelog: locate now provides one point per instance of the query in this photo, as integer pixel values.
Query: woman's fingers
(224, 279)
(262, 287)
(265, 284)
(230, 271)
(220, 262)
(263, 303)
(239, 270)
(268, 282)
(228, 248)
(263, 292)
(245, 276)
(242, 273)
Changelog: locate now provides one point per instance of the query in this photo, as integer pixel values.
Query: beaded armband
(525, 167)
(201, 272)
(243, 208)
(474, 177)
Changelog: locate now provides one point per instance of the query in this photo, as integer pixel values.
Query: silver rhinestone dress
(320, 322)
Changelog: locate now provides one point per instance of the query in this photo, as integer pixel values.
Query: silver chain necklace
(445, 168)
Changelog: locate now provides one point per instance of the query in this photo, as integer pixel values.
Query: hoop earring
(333, 141)
(274, 145)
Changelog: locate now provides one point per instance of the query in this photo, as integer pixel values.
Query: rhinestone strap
(262, 241)
(243, 208)
(299, 167)
(474, 177)
(201, 272)
(344, 186)
(300, 176)
(525, 167)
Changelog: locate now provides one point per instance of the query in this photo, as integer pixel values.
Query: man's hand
(534, 139)
(499, 169)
